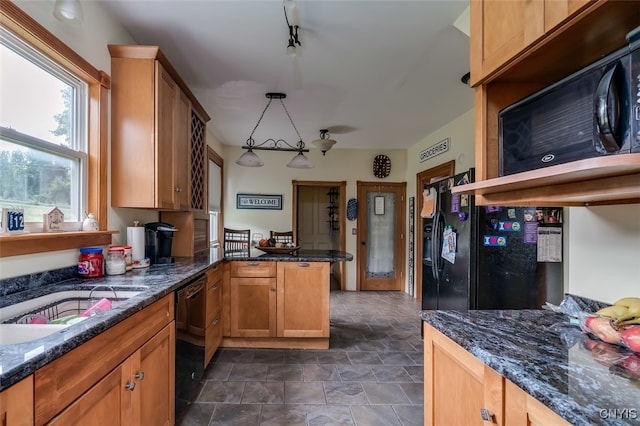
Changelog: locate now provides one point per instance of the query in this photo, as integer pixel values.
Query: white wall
(274, 177)
(603, 252)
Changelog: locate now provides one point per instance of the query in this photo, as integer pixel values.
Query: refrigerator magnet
(494, 241)
(509, 226)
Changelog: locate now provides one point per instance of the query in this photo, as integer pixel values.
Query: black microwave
(593, 112)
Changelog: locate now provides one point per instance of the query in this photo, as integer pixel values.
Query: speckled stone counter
(19, 360)
(587, 382)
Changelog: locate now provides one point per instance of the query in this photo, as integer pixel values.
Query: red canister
(91, 262)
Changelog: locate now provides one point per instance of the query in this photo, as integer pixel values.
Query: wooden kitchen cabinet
(278, 304)
(303, 299)
(253, 299)
(151, 132)
(134, 393)
(461, 389)
(16, 403)
(125, 374)
(213, 332)
(510, 61)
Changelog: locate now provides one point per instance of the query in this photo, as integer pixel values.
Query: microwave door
(612, 108)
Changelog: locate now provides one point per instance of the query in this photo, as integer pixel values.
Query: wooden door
(153, 372)
(314, 230)
(165, 155)
(253, 307)
(501, 30)
(16, 403)
(110, 400)
(381, 236)
(303, 299)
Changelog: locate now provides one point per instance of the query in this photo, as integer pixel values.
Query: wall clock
(381, 166)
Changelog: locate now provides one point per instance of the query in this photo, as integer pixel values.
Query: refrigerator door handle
(435, 242)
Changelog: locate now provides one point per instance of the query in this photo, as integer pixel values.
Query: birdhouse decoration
(53, 220)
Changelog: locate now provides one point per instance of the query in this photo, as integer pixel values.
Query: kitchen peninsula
(278, 300)
(524, 367)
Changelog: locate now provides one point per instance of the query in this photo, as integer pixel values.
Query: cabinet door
(154, 376)
(166, 105)
(303, 299)
(182, 149)
(213, 338)
(253, 307)
(110, 398)
(16, 403)
(500, 30)
(556, 11)
(457, 385)
(521, 409)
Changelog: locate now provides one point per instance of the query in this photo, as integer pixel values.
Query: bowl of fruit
(271, 246)
(618, 324)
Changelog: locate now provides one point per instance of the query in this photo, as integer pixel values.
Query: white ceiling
(377, 74)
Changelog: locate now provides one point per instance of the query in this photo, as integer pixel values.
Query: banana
(614, 311)
(632, 305)
(628, 301)
(628, 322)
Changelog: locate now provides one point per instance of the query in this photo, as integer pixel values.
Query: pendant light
(325, 142)
(251, 159)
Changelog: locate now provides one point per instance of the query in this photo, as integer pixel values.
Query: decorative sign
(53, 220)
(433, 150)
(259, 201)
(12, 220)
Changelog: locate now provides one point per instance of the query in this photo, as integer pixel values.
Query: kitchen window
(43, 135)
(63, 163)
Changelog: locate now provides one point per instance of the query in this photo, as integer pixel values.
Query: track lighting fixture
(251, 159)
(293, 33)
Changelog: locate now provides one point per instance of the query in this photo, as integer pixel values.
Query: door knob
(362, 242)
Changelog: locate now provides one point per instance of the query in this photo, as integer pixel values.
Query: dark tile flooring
(372, 373)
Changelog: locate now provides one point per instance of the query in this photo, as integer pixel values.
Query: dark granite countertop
(297, 256)
(585, 381)
(19, 360)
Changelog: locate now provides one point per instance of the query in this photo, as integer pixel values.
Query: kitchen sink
(44, 315)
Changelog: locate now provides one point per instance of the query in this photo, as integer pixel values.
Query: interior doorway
(381, 235)
(319, 220)
(430, 175)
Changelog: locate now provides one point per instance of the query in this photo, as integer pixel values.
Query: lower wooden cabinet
(16, 403)
(460, 389)
(125, 374)
(279, 299)
(138, 391)
(213, 317)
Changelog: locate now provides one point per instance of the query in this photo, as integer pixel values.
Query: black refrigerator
(488, 257)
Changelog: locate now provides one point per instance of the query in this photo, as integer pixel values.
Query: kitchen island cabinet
(278, 304)
(525, 367)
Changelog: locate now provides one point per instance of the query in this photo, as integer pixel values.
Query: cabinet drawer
(214, 274)
(253, 269)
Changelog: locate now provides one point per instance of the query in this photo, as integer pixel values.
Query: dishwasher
(190, 315)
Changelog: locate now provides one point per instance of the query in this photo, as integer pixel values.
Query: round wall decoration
(352, 209)
(381, 166)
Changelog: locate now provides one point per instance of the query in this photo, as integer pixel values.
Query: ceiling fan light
(324, 144)
(68, 11)
(299, 161)
(249, 159)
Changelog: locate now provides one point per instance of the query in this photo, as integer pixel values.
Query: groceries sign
(433, 150)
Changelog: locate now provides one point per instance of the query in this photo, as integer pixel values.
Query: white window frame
(78, 152)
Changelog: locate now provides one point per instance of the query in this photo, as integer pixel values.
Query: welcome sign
(259, 201)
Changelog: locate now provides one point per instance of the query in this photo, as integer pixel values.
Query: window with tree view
(43, 134)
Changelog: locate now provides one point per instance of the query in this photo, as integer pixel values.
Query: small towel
(429, 200)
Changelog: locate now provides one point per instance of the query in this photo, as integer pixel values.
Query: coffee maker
(158, 237)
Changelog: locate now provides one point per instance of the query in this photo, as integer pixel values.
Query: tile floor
(372, 373)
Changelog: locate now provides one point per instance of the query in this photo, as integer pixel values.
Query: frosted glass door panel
(381, 207)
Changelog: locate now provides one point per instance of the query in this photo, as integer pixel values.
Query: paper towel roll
(135, 238)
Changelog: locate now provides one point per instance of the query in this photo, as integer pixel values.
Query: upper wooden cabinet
(521, 46)
(157, 131)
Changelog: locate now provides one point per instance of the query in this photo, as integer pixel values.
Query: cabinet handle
(303, 264)
(215, 321)
(253, 263)
(140, 375)
(130, 386)
(486, 415)
(272, 289)
(214, 288)
(178, 189)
